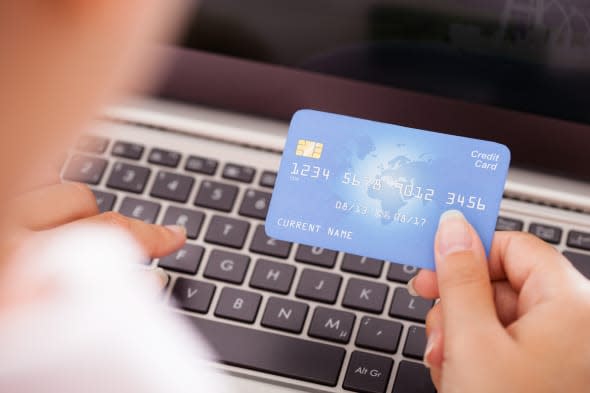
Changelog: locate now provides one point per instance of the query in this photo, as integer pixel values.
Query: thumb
(463, 279)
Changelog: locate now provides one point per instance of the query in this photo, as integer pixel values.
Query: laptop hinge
(269, 135)
(204, 122)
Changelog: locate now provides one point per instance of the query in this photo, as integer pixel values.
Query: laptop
(203, 152)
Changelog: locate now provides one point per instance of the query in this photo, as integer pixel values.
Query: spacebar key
(272, 353)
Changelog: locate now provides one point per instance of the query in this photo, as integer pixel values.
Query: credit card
(378, 190)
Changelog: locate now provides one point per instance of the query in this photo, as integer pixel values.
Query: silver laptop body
(231, 110)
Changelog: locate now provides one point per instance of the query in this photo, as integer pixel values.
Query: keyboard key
(241, 173)
(548, 233)
(191, 220)
(202, 165)
(379, 334)
(193, 295)
(320, 286)
(127, 177)
(186, 260)
(265, 245)
(580, 262)
(413, 377)
(268, 179)
(409, 307)
(92, 144)
(272, 276)
(333, 325)
(139, 209)
(401, 273)
(415, 342)
(164, 157)
(132, 151)
(227, 266)
(272, 353)
(227, 231)
(283, 314)
(104, 200)
(316, 256)
(255, 204)
(172, 186)
(580, 240)
(238, 305)
(367, 373)
(362, 265)
(85, 169)
(509, 224)
(365, 295)
(216, 196)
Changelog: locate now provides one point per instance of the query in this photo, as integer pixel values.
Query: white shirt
(95, 324)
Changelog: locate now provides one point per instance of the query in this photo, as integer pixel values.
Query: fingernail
(178, 229)
(163, 277)
(432, 338)
(157, 274)
(453, 233)
(411, 289)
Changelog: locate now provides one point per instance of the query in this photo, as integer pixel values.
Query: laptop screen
(512, 71)
(531, 56)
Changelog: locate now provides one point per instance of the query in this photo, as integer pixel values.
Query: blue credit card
(378, 190)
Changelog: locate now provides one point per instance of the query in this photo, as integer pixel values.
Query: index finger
(156, 240)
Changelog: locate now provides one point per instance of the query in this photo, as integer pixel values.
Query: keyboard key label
(378, 190)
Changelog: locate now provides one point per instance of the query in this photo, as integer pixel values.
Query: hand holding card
(378, 190)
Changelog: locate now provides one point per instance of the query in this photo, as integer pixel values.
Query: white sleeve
(95, 326)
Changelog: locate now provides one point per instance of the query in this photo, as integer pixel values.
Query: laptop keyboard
(334, 321)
